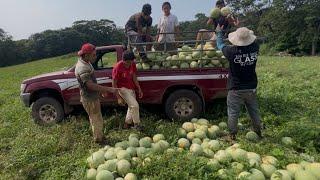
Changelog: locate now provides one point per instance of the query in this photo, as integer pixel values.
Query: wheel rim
(48, 113)
(183, 107)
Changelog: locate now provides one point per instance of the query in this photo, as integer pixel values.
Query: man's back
(242, 59)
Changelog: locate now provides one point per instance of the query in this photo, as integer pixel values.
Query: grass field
(289, 99)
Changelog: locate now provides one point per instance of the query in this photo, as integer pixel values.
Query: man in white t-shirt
(168, 24)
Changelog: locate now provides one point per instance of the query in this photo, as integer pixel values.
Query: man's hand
(219, 28)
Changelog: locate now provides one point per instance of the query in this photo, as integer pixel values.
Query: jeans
(235, 100)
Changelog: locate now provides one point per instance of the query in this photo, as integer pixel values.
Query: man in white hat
(242, 81)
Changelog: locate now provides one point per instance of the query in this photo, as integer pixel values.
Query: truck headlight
(23, 87)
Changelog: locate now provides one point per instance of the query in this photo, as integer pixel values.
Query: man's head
(242, 37)
(220, 4)
(146, 11)
(128, 57)
(88, 52)
(166, 7)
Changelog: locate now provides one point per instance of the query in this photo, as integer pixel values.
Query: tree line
(292, 26)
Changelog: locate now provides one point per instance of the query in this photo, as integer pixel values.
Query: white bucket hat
(242, 37)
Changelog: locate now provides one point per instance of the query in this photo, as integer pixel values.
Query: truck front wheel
(47, 111)
(183, 105)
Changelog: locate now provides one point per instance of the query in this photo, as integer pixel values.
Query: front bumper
(25, 98)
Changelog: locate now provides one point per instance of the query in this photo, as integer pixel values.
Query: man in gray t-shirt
(90, 91)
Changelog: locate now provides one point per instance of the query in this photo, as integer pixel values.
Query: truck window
(107, 60)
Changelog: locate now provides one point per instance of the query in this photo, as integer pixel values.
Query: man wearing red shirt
(124, 76)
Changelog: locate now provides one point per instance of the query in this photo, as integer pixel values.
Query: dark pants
(235, 100)
(136, 38)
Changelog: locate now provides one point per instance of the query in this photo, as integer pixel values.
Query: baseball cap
(86, 49)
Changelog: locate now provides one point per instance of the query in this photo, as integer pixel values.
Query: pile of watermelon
(198, 138)
(204, 56)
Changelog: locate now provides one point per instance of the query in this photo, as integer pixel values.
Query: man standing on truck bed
(124, 76)
(226, 21)
(90, 90)
(242, 81)
(138, 29)
(168, 24)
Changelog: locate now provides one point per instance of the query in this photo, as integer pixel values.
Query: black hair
(166, 4)
(146, 9)
(220, 2)
(128, 56)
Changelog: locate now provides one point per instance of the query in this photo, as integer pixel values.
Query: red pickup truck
(182, 92)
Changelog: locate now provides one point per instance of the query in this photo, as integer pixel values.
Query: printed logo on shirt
(246, 59)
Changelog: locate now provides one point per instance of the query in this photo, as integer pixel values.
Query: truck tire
(47, 111)
(183, 105)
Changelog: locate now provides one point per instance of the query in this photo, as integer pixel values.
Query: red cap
(86, 49)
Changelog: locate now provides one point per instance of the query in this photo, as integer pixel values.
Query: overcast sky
(21, 18)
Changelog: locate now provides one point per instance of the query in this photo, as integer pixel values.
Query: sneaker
(137, 127)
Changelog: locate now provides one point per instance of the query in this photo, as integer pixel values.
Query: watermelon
(239, 155)
(198, 133)
(222, 156)
(293, 168)
(189, 58)
(183, 143)
(208, 153)
(155, 67)
(182, 133)
(196, 149)
(158, 137)
(304, 175)
(169, 58)
(188, 126)
(225, 11)
(91, 174)
(256, 175)
(139, 66)
(196, 54)
(194, 64)
(123, 144)
(133, 135)
(270, 160)
(133, 142)
(185, 48)
(237, 167)
(174, 67)
(110, 154)
(215, 13)
(252, 136)
(314, 168)
(190, 136)
(213, 131)
(132, 151)
(104, 175)
(144, 142)
(96, 159)
(123, 167)
(184, 65)
(268, 169)
(196, 141)
(142, 152)
(145, 66)
(130, 176)
(280, 175)
(214, 145)
(223, 125)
